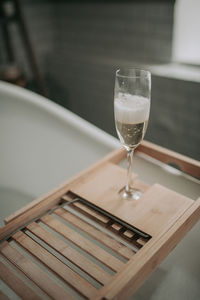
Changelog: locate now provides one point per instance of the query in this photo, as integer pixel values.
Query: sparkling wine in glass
(131, 108)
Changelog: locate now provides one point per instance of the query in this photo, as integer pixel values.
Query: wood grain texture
(91, 213)
(17, 284)
(162, 213)
(83, 243)
(125, 283)
(186, 164)
(3, 296)
(95, 233)
(71, 254)
(157, 209)
(62, 270)
(33, 272)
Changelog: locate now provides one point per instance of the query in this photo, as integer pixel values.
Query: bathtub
(43, 144)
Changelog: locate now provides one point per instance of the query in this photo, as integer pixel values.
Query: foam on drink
(131, 109)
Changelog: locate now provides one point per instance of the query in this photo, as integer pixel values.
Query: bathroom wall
(79, 45)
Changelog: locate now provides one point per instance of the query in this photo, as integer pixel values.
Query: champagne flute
(131, 109)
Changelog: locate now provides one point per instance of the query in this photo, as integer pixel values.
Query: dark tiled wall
(175, 115)
(112, 30)
(118, 29)
(134, 30)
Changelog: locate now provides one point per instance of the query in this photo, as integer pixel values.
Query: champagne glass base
(132, 194)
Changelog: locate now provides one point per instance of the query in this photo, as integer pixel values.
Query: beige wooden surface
(32, 271)
(144, 262)
(95, 233)
(83, 243)
(55, 265)
(71, 254)
(161, 213)
(186, 164)
(17, 284)
(162, 154)
(153, 213)
(3, 296)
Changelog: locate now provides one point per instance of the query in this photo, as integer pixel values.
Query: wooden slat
(17, 284)
(89, 213)
(35, 208)
(68, 275)
(92, 212)
(162, 213)
(116, 226)
(146, 260)
(95, 233)
(26, 217)
(28, 281)
(141, 241)
(3, 296)
(33, 272)
(186, 164)
(71, 254)
(129, 234)
(83, 243)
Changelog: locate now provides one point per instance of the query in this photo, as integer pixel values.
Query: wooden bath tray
(81, 241)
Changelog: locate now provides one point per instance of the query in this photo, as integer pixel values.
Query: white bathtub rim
(62, 113)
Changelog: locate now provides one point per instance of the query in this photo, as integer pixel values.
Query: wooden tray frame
(131, 275)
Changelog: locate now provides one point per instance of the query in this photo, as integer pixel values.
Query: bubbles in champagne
(131, 109)
(131, 118)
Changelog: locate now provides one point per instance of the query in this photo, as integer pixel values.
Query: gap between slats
(101, 228)
(7, 293)
(40, 276)
(122, 234)
(95, 233)
(17, 284)
(100, 254)
(65, 261)
(79, 250)
(3, 296)
(17, 272)
(88, 237)
(54, 264)
(70, 254)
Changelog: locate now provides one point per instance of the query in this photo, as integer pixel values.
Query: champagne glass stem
(129, 170)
